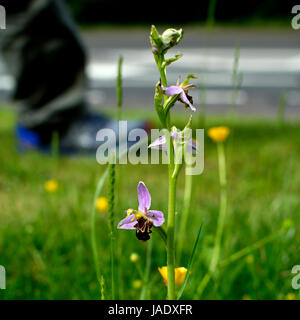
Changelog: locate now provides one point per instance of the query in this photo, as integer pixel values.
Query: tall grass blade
(119, 87)
(111, 223)
(190, 264)
(93, 224)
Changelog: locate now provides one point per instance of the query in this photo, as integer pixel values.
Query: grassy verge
(45, 238)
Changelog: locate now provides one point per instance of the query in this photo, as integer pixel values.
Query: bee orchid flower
(142, 219)
(161, 142)
(182, 91)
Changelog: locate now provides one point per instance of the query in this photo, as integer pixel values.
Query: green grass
(45, 238)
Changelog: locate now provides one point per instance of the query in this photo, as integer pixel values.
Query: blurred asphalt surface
(269, 61)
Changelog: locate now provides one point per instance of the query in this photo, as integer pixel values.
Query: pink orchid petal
(144, 197)
(186, 101)
(127, 223)
(159, 143)
(192, 147)
(172, 90)
(157, 217)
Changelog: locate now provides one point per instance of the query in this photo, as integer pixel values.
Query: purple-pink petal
(144, 197)
(192, 147)
(157, 217)
(159, 143)
(172, 90)
(127, 223)
(186, 100)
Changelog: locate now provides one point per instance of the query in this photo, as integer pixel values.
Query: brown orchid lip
(143, 229)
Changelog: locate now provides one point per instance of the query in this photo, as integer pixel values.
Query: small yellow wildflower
(290, 296)
(51, 185)
(218, 134)
(134, 257)
(102, 204)
(180, 274)
(137, 284)
(246, 297)
(287, 224)
(250, 258)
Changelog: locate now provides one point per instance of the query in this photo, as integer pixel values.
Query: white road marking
(217, 59)
(264, 68)
(261, 68)
(218, 97)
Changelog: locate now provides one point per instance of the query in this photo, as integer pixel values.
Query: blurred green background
(45, 237)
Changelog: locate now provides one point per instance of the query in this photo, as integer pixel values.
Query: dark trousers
(42, 51)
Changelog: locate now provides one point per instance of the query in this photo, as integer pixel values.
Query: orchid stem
(162, 71)
(171, 226)
(160, 59)
(171, 205)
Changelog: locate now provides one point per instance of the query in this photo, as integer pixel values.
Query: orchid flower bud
(171, 37)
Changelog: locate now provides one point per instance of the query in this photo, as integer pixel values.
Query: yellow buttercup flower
(287, 224)
(218, 134)
(137, 284)
(290, 296)
(51, 185)
(250, 258)
(180, 274)
(134, 257)
(102, 204)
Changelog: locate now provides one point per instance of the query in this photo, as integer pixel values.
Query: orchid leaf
(167, 62)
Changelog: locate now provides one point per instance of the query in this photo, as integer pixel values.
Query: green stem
(115, 255)
(211, 16)
(111, 214)
(93, 226)
(162, 70)
(223, 207)
(171, 226)
(159, 59)
(112, 254)
(203, 285)
(119, 84)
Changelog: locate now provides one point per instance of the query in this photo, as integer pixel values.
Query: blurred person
(43, 52)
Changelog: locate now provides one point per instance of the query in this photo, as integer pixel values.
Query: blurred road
(269, 62)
